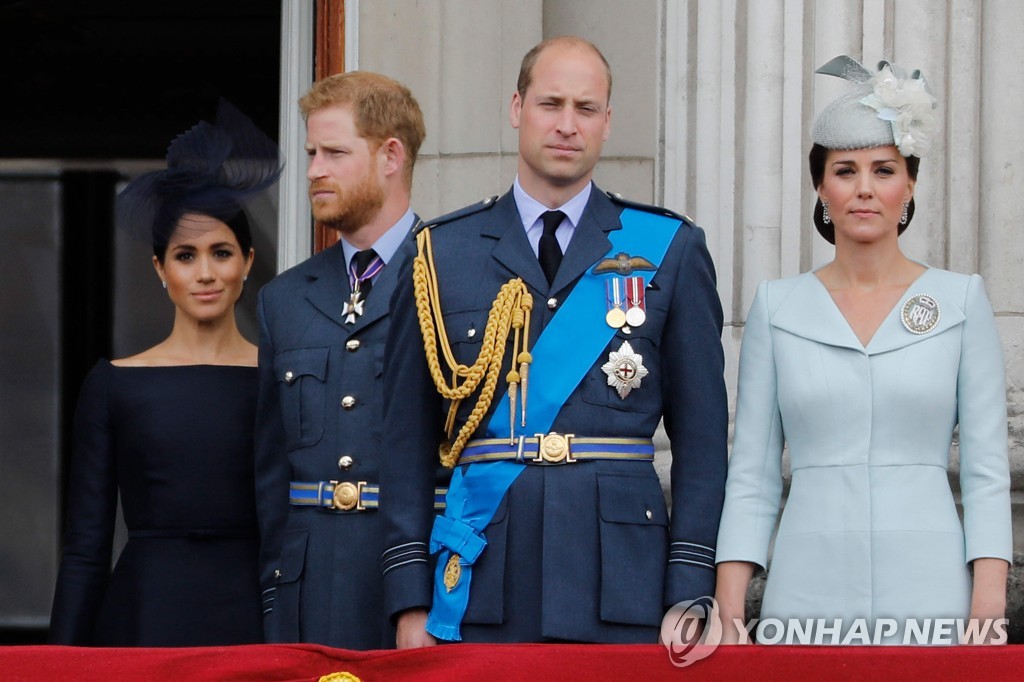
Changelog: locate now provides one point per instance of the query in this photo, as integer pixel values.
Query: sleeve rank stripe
(391, 567)
(693, 544)
(698, 555)
(702, 564)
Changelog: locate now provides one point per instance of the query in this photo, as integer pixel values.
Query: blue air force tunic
(318, 454)
(581, 551)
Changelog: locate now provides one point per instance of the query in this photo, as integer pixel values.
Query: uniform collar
(530, 209)
(388, 243)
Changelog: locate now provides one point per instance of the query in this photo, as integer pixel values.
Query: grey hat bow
(886, 107)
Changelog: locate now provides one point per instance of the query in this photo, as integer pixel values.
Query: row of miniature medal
(625, 298)
(626, 309)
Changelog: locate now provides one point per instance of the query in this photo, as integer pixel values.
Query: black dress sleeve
(91, 510)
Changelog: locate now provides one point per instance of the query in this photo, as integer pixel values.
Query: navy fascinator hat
(212, 169)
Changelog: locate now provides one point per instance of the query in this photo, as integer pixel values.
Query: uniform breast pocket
(465, 331)
(636, 366)
(301, 375)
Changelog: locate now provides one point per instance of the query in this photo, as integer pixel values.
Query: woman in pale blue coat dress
(864, 368)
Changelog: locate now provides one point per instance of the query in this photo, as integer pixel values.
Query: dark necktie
(548, 251)
(360, 262)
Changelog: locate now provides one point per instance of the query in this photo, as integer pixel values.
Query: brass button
(348, 402)
(352, 345)
(289, 377)
(346, 495)
(552, 303)
(345, 462)
(649, 515)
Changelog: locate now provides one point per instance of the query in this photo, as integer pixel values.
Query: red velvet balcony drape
(483, 663)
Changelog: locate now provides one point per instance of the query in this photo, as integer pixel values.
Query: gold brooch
(452, 572)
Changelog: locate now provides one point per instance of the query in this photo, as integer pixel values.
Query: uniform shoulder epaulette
(461, 213)
(659, 210)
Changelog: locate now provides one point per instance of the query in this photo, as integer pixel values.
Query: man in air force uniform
(605, 319)
(323, 326)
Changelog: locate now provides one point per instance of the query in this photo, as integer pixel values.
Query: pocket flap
(465, 327)
(632, 499)
(293, 556)
(289, 365)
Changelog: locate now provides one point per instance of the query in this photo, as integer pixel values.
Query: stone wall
(711, 104)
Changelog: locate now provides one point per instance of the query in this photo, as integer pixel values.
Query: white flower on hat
(908, 107)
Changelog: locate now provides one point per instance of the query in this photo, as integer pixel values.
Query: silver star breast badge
(625, 369)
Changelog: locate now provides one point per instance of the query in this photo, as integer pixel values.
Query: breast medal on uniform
(607, 298)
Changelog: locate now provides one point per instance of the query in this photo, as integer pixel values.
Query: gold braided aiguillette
(510, 313)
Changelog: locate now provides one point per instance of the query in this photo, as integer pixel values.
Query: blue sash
(563, 355)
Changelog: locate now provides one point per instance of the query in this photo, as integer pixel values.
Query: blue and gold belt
(345, 496)
(557, 448)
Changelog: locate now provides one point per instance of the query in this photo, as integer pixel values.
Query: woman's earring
(825, 217)
(164, 282)
(245, 278)
(903, 218)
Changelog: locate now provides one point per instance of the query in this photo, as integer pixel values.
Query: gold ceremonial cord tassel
(509, 311)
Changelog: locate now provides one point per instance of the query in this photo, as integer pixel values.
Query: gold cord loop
(510, 313)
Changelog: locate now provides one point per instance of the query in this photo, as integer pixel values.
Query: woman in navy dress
(170, 429)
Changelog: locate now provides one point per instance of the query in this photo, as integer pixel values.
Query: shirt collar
(388, 243)
(530, 209)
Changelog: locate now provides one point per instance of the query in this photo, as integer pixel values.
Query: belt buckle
(347, 496)
(554, 448)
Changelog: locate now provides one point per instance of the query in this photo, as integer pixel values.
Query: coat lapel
(893, 335)
(590, 240)
(329, 289)
(808, 311)
(513, 248)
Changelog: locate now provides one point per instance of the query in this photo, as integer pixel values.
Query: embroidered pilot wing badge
(625, 369)
(623, 264)
(920, 314)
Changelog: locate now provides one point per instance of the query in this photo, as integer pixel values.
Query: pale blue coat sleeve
(981, 409)
(753, 490)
